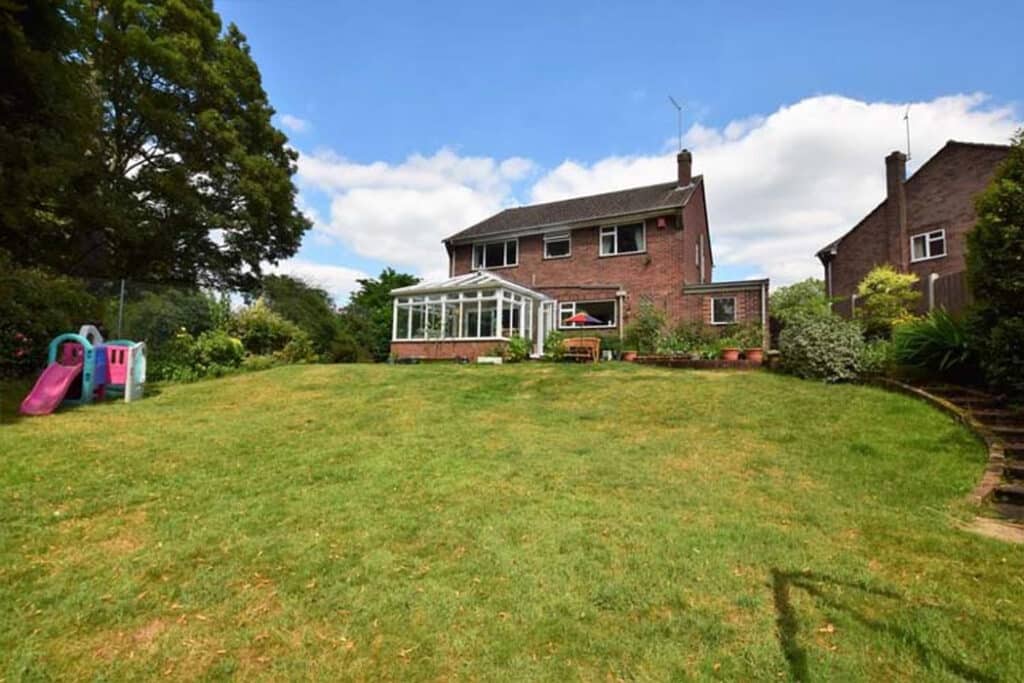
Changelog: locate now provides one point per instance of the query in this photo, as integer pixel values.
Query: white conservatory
(454, 317)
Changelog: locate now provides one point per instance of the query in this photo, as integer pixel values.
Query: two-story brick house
(531, 269)
(920, 227)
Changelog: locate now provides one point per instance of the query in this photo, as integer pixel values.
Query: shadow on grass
(816, 585)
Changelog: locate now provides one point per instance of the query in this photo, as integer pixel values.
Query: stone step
(998, 416)
(1008, 431)
(1013, 450)
(1014, 470)
(1010, 511)
(1010, 493)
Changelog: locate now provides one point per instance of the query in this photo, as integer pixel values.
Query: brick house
(530, 269)
(920, 227)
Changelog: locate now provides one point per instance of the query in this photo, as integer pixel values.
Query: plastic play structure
(81, 368)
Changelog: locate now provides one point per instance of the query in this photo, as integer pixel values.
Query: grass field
(530, 522)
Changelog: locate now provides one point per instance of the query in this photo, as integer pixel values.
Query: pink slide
(49, 390)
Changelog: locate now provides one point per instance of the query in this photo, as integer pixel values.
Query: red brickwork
(939, 196)
(444, 349)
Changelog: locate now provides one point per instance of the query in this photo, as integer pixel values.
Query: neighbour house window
(602, 313)
(496, 254)
(462, 315)
(723, 310)
(557, 245)
(928, 245)
(623, 239)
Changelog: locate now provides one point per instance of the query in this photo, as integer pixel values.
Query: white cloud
(398, 214)
(295, 124)
(782, 186)
(338, 281)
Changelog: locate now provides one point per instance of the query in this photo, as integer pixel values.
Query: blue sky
(413, 118)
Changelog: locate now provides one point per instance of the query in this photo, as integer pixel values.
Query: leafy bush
(829, 349)
(186, 358)
(262, 331)
(884, 298)
(217, 349)
(995, 252)
(35, 307)
(743, 336)
(645, 330)
(157, 316)
(299, 349)
(804, 299)
(936, 343)
(517, 349)
(877, 357)
(554, 345)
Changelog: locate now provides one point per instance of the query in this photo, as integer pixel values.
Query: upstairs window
(557, 245)
(496, 254)
(723, 310)
(928, 245)
(623, 239)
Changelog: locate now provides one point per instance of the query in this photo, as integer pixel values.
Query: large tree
(48, 121)
(309, 307)
(995, 270)
(367, 318)
(187, 179)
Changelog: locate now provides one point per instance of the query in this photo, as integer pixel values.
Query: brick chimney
(684, 160)
(896, 210)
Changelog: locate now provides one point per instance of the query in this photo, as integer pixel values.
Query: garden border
(993, 474)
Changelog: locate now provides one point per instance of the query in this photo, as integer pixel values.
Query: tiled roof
(581, 209)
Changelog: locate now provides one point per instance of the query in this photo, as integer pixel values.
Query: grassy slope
(534, 522)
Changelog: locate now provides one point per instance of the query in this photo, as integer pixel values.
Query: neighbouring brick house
(529, 270)
(920, 227)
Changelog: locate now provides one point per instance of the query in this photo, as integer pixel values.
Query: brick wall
(939, 196)
(443, 349)
(657, 274)
(748, 305)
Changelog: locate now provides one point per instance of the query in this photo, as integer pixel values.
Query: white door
(545, 323)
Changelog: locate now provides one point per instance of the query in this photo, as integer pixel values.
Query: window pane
(451, 320)
(556, 248)
(724, 310)
(417, 321)
(402, 321)
(494, 255)
(607, 242)
(489, 319)
(566, 309)
(631, 238)
(918, 244)
(478, 255)
(937, 246)
(469, 319)
(511, 252)
(603, 311)
(509, 321)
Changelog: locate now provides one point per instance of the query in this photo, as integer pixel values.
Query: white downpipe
(932, 279)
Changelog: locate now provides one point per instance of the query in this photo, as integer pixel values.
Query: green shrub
(299, 349)
(217, 349)
(35, 307)
(743, 336)
(884, 299)
(995, 254)
(258, 363)
(174, 360)
(554, 345)
(829, 349)
(156, 317)
(644, 332)
(262, 331)
(877, 357)
(936, 343)
(806, 299)
(517, 349)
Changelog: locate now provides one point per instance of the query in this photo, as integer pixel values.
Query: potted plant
(730, 352)
(754, 355)
(629, 356)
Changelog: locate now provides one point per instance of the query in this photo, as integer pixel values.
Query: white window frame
(614, 231)
(557, 237)
(928, 237)
(506, 264)
(735, 310)
(576, 305)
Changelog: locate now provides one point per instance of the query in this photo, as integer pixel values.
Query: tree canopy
(804, 299)
(175, 171)
(995, 270)
(367, 318)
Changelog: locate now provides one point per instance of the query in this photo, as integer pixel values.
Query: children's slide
(50, 389)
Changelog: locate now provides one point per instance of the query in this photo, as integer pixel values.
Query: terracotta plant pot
(730, 354)
(629, 356)
(755, 355)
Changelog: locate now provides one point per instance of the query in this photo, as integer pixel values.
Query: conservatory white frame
(495, 307)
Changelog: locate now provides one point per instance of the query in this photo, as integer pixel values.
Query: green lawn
(532, 522)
